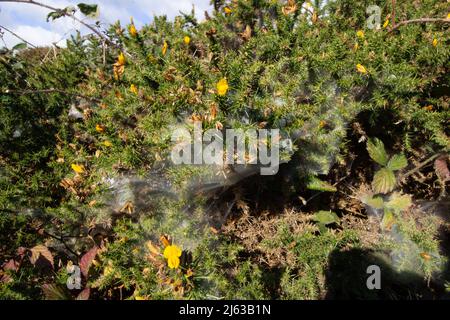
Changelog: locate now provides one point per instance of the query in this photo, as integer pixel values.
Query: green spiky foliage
(81, 108)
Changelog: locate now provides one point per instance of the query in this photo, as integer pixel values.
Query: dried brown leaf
(86, 261)
(40, 253)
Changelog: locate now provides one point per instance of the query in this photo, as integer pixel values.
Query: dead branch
(420, 21)
(17, 36)
(67, 14)
(37, 91)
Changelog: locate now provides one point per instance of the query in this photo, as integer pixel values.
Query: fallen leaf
(86, 261)
(84, 295)
(41, 253)
(152, 248)
(12, 265)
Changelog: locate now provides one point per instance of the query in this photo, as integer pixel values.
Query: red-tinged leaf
(84, 295)
(41, 256)
(12, 265)
(21, 251)
(54, 292)
(441, 168)
(86, 261)
(5, 278)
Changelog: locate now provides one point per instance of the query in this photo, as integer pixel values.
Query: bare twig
(393, 13)
(418, 167)
(36, 91)
(422, 20)
(67, 14)
(17, 36)
(61, 239)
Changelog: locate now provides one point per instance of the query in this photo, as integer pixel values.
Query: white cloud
(29, 20)
(35, 35)
(172, 8)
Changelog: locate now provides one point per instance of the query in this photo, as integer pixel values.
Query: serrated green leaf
(397, 162)
(20, 46)
(398, 202)
(89, 10)
(55, 15)
(315, 183)
(384, 181)
(326, 217)
(376, 202)
(388, 220)
(377, 152)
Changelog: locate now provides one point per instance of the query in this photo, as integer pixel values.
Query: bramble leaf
(326, 217)
(377, 152)
(20, 46)
(375, 202)
(399, 202)
(89, 10)
(388, 220)
(315, 183)
(384, 181)
(397, 162)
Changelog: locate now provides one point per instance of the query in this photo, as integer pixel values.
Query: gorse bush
(85, 138)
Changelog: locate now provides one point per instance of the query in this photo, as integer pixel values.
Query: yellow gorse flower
(360, 34)
(172, 253)
(134, 89)
(448, 15)
(187, 40)
(361, 68)
(99, 128)
(132, 30)
(222, 87)
(119, 66)
(227, 10)
(78, 168)
(164, 48)
(386, 23)
(121, 59)
(435, 42)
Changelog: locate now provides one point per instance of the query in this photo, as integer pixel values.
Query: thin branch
(29, 91)
(61, 239)
(17, 36)
(422, 20)
(393, 13)
(418, 167)
(67, 14)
